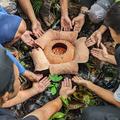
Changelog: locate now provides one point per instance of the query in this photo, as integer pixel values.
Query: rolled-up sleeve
(117, 94)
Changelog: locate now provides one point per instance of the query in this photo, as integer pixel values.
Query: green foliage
(65, 101)
(55, 78)
(36, 5)
(58, 115)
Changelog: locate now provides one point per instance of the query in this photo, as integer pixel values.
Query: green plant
(55, 79)
(36, 6)
(58, 115)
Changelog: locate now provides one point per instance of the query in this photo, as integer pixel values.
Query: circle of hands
(66, 89)
(43, 84)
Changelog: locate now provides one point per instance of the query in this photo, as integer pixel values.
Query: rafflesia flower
(60, 52)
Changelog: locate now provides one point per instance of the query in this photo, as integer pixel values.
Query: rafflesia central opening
(59, 49)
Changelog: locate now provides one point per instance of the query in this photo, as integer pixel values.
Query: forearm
(102, 29)
(21, 97)
(111, 59)
(64, 7)
(28, 9)
(103, 93)
(51, 107)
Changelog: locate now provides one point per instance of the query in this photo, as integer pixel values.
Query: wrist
(102, 29)
(34, 91)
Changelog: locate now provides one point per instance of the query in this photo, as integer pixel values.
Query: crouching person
(11, 94)
(111, 111)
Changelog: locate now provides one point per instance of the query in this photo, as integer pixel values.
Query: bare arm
(103, 93)
(111, 59)
(27, 8)
(48, 109)
(64, 7)
(102, 29)
(21, 97)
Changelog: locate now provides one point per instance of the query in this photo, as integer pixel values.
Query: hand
(80, 81)
(96, 37)
(100, 54)
(32, 76)
(39, 87)
(66, 24)
(78, 22)
(26, 38)
(37, 29)
(66, 88)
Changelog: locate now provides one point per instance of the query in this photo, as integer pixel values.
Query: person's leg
(101, 113)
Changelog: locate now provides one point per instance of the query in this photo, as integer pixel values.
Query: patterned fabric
(9, 6)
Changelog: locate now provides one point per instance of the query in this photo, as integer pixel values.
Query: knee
(97, 13)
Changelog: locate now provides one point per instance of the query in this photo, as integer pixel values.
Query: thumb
(70, 25)
(73, 22)
(104, 48)
(99, 41)
(73, 90)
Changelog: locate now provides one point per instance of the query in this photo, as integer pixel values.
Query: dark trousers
(101, 113)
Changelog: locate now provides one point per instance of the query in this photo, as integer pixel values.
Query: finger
(73, 22)
(103, 47)
(70, 83)
(39, 77)
(73, 90)
(43, 79)
(62, 28)
(47, 84)
(46, 81)
(62, 84)
(70, 25)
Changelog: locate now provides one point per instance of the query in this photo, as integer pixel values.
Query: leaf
(86, 99)
(53, 90)
(57, 115)
(55, 78)
(65, 101)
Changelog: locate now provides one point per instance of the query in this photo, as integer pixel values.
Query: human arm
(96, 37)
(101, 92)
(45, 112)
(103, 55)
(24, 95)
(79, 21)
(28, 9)
(65, 20)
